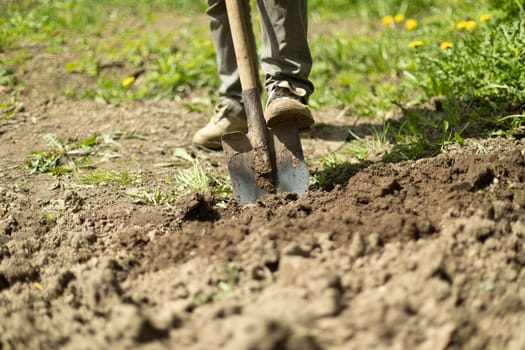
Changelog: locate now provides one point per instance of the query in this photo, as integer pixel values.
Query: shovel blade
(240, 156)
(291, 171)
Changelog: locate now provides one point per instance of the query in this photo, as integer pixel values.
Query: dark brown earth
(425, 254)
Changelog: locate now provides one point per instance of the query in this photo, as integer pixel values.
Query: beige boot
(287, 104)
(228, 115)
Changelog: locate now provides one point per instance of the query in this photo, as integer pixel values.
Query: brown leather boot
(228, 115)
(287, 104)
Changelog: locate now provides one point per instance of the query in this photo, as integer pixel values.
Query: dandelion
(446, 45)
(470, 25)
(387, 21)
(415, 44)
(461, 25)
(411, 24)
(398, 18)
(484, 17)
(126, 82)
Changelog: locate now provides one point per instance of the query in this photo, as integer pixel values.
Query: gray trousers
(285, 54)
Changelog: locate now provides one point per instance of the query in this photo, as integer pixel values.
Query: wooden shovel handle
(242, 44)
(244, 54)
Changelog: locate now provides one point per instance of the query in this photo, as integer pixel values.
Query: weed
(480, 148)
(193, 179)
(46, 160)
(7, 76)
(511, 125)
(333, 166)
(59, 158)
(129, 134)
(102, 177)
(51, 217)
(483, 64)
(42, 161)
(155, 197)
(227, 282)
(10, 107)
(198, 178)
(377, 142)
(407, 151)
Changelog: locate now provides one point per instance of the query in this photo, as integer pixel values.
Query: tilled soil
(425, 254)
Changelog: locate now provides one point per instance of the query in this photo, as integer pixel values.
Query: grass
(192, 176)
(475, 71)
(151, 197)
(59, 158)
(228, 281)
(361, 146)
(103, 177)
(80, 158)
(198, 178)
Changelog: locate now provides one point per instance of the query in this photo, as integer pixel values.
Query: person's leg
(285, 52)
(228, 114)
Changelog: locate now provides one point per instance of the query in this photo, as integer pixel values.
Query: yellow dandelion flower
(470, 25)
(446, 45)
(461, 25)
(411, 24)
(484, 17)
(126, 82)
(415, 44)
(387, 21)
(399, 17)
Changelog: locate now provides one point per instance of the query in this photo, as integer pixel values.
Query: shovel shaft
(257, 132)
(242, 44)
(247, 72)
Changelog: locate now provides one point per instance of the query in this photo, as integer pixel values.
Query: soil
(425, 254)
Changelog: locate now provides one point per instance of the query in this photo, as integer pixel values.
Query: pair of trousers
(285, 54)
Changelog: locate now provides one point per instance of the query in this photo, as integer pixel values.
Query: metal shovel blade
(289, 168)
(240, 156)
(261, 161)
(291, 171)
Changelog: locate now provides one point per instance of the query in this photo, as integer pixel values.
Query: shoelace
(284, 89)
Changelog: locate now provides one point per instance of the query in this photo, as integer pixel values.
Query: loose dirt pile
(424, 254)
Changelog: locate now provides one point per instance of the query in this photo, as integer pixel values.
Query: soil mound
(425, 254)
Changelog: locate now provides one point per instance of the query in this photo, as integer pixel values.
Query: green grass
(7, 76)
(60, 157)
(151, 197)
(227, 283)
(82, 157)
(198, 178)
(191, 176)
(103, 177)
(375, 71)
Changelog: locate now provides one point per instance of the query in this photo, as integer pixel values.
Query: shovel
(263, 161)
